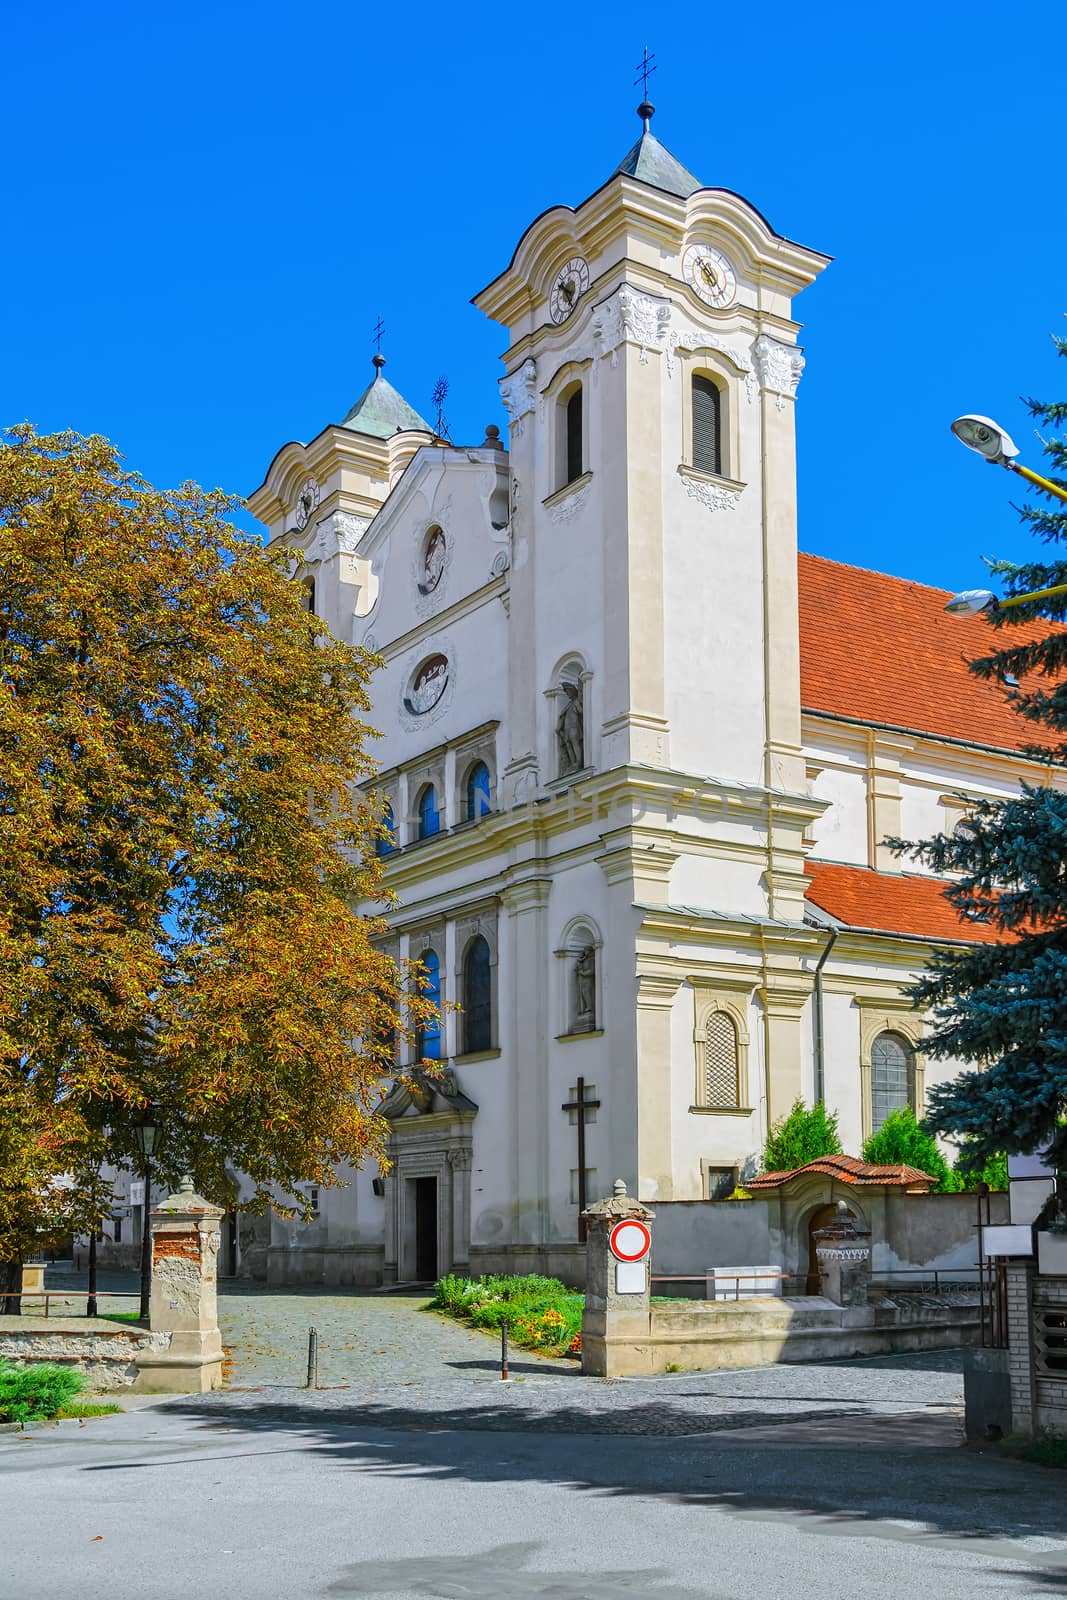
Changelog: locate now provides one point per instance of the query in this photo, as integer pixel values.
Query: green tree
(1003, 1006)
(186, 862)
(901, 1139)
(802, 1136)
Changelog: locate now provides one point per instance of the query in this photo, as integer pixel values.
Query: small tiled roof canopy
(847, 1169)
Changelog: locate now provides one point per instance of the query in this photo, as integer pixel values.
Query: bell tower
(650, 385)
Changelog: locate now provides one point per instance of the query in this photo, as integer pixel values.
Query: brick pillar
(184, 1305)
(616, 1322)
(1020, 1275)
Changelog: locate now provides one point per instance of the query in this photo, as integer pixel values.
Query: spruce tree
(1003, 1006)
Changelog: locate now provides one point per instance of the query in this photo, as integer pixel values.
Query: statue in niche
(570, 730)
(585, 991)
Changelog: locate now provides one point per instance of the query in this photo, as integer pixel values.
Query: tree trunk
(90, 1304)
(11, 1288)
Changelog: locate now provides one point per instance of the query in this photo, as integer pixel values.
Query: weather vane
(645, 69)
(440, 394)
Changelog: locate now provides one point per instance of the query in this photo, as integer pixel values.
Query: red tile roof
(890, 903)
(847, 1169)
(882, 650)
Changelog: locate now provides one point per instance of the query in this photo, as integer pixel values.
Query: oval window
(428, 684)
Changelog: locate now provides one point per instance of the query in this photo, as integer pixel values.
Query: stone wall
(107, 1352)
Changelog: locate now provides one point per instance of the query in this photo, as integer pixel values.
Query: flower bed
(541, 1313)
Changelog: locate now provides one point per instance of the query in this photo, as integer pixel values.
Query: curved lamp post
(146, 1133)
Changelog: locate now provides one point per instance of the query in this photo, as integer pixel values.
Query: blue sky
(206, 207)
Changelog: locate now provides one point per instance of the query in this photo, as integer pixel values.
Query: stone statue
(570, 730)
(585, 990)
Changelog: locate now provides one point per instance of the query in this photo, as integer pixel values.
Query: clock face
(709, 275)
(569, 285)
(306, 501)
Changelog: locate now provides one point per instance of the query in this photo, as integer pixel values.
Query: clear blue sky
(207, 206)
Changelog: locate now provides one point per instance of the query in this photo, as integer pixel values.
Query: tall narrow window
(890, 1087)
(385, 843)
(477, 791)
(428, 1034)
(707, 421)
(574, 436)
(720, 1086)
(429, 816)
(307, 594)
(477, 996)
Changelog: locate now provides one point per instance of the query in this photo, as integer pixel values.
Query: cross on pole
(581, 1105)
(379, 329)
(645, 69)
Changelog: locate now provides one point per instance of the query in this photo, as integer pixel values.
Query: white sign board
(1007, 1239)
(137, 1192)
(630, 1277)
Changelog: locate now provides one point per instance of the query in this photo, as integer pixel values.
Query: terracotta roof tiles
(847, 1169)
(887, 902)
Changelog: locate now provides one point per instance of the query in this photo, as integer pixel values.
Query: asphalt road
(780, 1483)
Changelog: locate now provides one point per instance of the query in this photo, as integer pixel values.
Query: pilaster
(525, 904)
(655, 1166)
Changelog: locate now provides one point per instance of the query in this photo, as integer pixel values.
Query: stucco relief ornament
(306, 502)
(712, 496)
(685, 338)
(501, 563)
(429, 684)
(519, 393)
(348, 530)
(645, 321)
(780, 366)
(567, 509)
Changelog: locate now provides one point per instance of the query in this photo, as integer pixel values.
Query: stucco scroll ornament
(645, 321)
(780, 366)
(501, 563)
(713, 496)
(696, 339)
(519, 393)
(338, 533)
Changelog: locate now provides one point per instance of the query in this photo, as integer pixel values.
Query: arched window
(477, 996)
(720, 1088)
(385, 843)
(707, 425)
(307, 594)
(890, 1077)
(429, 816)
(428, 1034)
(477, 797)
(572, 409)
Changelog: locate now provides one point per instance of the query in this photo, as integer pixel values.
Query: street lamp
(972, 602)
(990, 441)
(146, 1135)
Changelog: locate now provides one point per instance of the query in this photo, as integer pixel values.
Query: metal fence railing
(49, 1296)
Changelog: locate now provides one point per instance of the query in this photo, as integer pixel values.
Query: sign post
(617, 1317)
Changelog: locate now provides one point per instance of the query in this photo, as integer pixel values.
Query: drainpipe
(820, 1029)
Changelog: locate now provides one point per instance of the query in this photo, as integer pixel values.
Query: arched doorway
(818, 1219)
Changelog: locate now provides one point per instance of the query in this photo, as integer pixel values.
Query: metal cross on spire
(645, 69)
(379, 329)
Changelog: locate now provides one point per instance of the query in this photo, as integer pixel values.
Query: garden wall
(105, 1351)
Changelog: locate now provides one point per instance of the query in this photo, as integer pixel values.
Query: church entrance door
(426, 1229)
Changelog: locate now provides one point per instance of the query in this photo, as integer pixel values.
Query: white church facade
(639, 758)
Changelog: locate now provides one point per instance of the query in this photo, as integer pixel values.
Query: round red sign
(630, 1240)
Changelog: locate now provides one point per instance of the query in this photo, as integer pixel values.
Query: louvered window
(720, 1062)
(707, 419)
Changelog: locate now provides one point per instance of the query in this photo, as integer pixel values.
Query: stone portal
(428, 1189)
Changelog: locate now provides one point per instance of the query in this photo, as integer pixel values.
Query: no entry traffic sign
(630, 1240)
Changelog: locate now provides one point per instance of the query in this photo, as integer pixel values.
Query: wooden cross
(581, 1105)
(645, 69)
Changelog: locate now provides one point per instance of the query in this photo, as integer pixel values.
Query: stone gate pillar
(184, 1304)
(616, 1322)
(843, 1251)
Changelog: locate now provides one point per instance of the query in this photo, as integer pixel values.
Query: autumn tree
(188, 881)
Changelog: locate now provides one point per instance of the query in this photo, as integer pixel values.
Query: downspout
(820, 1028)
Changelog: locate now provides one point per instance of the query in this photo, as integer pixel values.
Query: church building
(639, 758)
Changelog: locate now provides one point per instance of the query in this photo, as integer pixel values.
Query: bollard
(504, 1351)
(313, 1359)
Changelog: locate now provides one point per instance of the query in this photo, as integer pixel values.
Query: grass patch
(33, 1393)
(1048, 1450)
(88, 1408)
(541, 1313)
(121, 1316)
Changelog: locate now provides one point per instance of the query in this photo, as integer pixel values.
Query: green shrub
(541, 1313)
(33, 1391)
(902, 1139)
(802, 1136)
